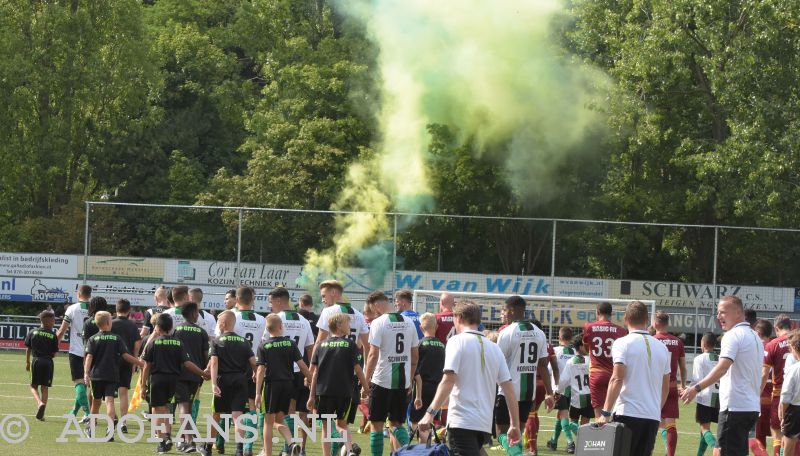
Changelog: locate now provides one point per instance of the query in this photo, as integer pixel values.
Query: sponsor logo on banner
(38, 265)
(138, 293)
(123, 268)
(34, 290)
(502, 284)
(691, 295)
(229, 274)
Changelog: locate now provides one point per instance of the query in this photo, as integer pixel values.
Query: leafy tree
(702, 127)
(75, 84)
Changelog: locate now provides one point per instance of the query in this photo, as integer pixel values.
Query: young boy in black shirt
(101, 364)
(43, 344)
(164, 356)
(275, 381)
(90, 328)
(195, 341)
(430, 370)
(332, 383)
(129, 333)
(230, 360)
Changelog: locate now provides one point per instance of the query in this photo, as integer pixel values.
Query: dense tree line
(266, 102)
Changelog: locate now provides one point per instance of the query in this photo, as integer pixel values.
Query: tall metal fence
(446, 242)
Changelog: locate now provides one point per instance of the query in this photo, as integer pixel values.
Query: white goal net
(552, 311)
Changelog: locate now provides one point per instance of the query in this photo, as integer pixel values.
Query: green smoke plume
(491, 70)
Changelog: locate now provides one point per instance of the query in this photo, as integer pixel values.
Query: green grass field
(15, 398)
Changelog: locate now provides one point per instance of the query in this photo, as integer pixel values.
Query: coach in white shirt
(473, 367)
(639, 384)
(739, 374)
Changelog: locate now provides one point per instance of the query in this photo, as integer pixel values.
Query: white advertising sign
(38, 265)
(36, 290)
(229, 274)
(705, 296)
(502, 283)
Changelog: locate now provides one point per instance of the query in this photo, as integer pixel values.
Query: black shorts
(102, 389)
(563, 403)
(576, 413)
(790, 427)
(186, 390)
(234, 394)
(733, 431)
(76, 367)
(466, 442)
(162, 389)
(643, 433)
(276, 396)
(428, 392)
(251, 387)
(706, 414)
(353, 410)
(385, 402)
(301, 393)
(42, 372)
(125, 375)
(337, 405)
(501, 411)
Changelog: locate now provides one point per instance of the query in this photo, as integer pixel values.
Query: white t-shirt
(790, 391)
(75, 315)
(211, 323)
(576, 376)
(358, 324)
(205, 320)
(394, 335)
(480, 367)
(523, 345)
(739, 388)
(297, 328)
(646, 362)
(702, 365)
(563, 354)
(788, 362)
(251, 326)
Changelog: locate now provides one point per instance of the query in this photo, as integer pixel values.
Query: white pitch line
(31, 397)
(27, 384)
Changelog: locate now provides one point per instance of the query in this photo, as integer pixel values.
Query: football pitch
(15, 399)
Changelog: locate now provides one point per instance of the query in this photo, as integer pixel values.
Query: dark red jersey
(444, 326)
(675, 347)
(775, 353)
(598, 336)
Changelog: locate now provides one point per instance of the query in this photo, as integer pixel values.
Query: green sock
(574, 427)
(76, 406)
(260, 424)
(220, 440)
(195, 409)
(709, 438)
(502, 439)
(335, 446)
(401, 434)
(80, 396)
(376, 443)
(557, 432)
(566, 427)
(702, 448)
(288, 420)
(250, 420)
(664, 435)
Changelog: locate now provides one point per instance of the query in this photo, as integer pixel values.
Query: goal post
(552, 311)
